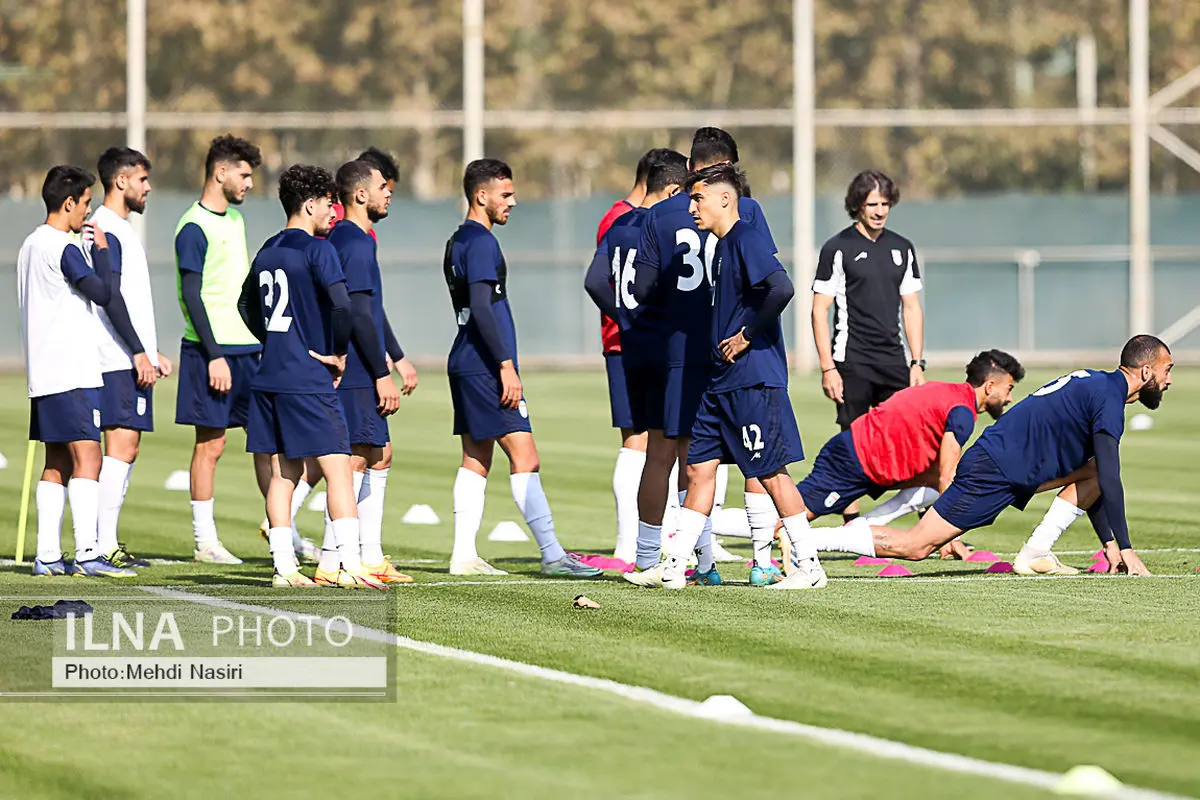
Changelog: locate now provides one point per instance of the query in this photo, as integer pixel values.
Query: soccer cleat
(1047, 564)
(656, 578)
(297, 580)
(785, 548)
(569, 567)
(216, 553)
(308, 550)
(387, 572)
(264, 528)
(710, 578)
(360, 579)
(51, 568)
(123, 558)
(721, 555)
(765, 576)
(476, 566)
(101, 567)
(326, 579)
(806, 574)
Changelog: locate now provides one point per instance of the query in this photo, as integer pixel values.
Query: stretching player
(367, 391)
(485, 383)
(295, 301)
(129, 354)
(55, 291)
(1046, 441)
(745, 416)
(218, 356)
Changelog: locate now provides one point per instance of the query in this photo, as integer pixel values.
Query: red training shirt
(610, 334)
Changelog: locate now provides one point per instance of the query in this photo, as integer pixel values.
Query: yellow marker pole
(23, 519)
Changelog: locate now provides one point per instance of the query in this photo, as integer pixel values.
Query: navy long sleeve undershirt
(95, 282)
(366, 335)
(249, 309)
(339, 317)
(118, 312)
(481, 294)
(1112, 493)
(190, 284)
(390, 343)
(779, 293)
(596, 284)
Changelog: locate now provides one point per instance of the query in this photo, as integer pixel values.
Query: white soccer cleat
(658, 577)
(1047, 564)
(476, 566)
(721, 555)
(216, 553)
(295, 580)
(807, 574)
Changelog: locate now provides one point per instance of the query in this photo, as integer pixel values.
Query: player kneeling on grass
(745, 416)
(1046, 441)
(296, 303)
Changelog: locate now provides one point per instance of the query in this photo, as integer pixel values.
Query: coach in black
(870, 276)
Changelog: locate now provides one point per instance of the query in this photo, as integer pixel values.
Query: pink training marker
(986, 556)
(1099, 566)
(869, 561)
(1000, 567)
(1098, 556)
(605, 563)
(894, 571)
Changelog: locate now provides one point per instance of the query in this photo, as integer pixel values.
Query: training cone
(317, 502)
(982, 556)
(869, 561)
(1141, 422)
(1088, 780)
(1098, 555)
(3, 461)
(420, 514)
(178, 481)
(1099, 566)
(894, 571)
(724, 706)
(508, 532)
(606, 563)
(1000, 567)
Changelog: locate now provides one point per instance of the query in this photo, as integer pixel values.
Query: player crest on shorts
(96, 417)
(831, 499)
(897, 258)
(523, 410)
(141, 406)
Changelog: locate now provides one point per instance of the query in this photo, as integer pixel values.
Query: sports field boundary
(848, 740)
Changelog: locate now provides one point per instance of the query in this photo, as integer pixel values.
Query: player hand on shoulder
(335, 364)
(734, 346)
(389, 396)
(93, 232)
(831, 384)
(146, 374)
(219, 378)
(408, 374)
(165, 367)
(510, 385)
(1131, 563)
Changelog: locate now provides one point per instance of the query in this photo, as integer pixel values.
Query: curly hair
(300, 183)
(861, 187)
(229, 149)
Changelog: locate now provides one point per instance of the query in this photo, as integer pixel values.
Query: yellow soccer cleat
(387, 572)
(359, 580)
(296, 580)
(1047, 564)
(329, 580)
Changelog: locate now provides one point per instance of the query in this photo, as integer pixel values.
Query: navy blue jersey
(293, 271)
(1049, 434)
(643, 328)
(356, 250)
(473, 256)
(673, 246)
(744, 259)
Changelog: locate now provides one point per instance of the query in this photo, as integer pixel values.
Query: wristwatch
(917, 363)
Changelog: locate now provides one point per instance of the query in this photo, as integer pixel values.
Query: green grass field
(1040, 673)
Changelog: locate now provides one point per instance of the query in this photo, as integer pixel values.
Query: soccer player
(129, 356)
(55, 291)
(914, 438)
(296, 303)
(218, 356)
(745, 416)
(868, 274)
(631, 458)
(485, 383)
(1046, 441)
(367, 392)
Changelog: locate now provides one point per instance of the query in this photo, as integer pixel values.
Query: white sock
(345, 533)
(853, 537)
(84, 497)
(1058, 518)
(469, 495)
(704, 548)
(370, 516)
(722, 488)
(730, 522)
(299, 495)
(51, 502)
(280, 542)
(535, 508)
(329, 560)
(691, 525)
(671, 510)
(762, 517)
(905, 501)
(627, 477)
(358, 478)
(114, 480)
(649, 545)
(797, 529)
(204, 526)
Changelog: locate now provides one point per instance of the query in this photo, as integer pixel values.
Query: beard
(994, 409)
(376, 213)
(1151, 395)
(136, 205)
(233, 199)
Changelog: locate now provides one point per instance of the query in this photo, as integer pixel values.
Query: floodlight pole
(473, 80)
(803, 181)
(1141, 288)
(135, 89)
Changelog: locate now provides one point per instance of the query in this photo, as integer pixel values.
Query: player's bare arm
(914, 332)
(510, 385)
(831, 380)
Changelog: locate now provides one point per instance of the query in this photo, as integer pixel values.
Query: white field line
(859, 742)
(154, 562)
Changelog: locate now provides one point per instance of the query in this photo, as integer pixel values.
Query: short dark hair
(719, 173)
(712, 146)
(115, 160)
(647, 162)
(1141, 350)
(300, 183)
(352, 175)
(482, 171)
(229, 149)
(866, 182)
(992, 362)
(64, 182)
(671, 167)
(381, 161)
